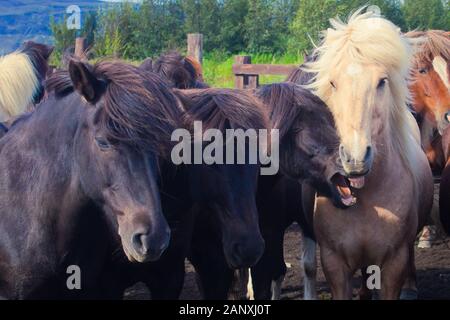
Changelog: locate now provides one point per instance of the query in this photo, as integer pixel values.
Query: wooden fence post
(80, 48)
(243, 81)
(195, 46)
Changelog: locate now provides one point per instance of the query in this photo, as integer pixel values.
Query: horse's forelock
(140, 109)
(434, 43)
(286, 102)
(368, 38)
(223, 109)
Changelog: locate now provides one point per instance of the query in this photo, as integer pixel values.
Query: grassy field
(217, 68)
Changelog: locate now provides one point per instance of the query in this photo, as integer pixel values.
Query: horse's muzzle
(356, 167)
(246, 252)
(149, 246)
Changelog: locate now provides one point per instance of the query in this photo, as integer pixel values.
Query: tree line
(135, 32)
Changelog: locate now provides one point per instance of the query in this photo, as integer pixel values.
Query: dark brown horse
(181, 72)
(308, 153)
(200, 199)
(308, 144)
(81, 165)
(227, 222)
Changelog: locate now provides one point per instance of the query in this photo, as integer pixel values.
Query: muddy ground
(433, 272)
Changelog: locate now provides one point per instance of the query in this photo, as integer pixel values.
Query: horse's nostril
(139, 243)
(368, 153)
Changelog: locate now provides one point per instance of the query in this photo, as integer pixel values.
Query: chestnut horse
(21, 78)
(431, 91)
(360, 73)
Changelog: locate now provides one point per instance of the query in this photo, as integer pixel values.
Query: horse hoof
(424, 244)
(409, 294)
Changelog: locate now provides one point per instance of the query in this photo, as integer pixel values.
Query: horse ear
(85, 81)
(47, 51)
(147, 65)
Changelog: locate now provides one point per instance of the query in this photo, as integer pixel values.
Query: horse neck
(386, 155)
(53, 127)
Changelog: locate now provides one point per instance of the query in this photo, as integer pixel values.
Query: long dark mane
(138, 107)
(223, 109)
(299, 75)
(178, 70)
(286, 102)
(38, 54)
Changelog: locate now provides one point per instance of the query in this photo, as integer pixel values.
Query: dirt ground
(433, 273)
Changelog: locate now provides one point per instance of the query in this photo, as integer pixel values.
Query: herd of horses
(86, 177)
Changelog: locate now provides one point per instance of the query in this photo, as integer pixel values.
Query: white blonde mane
(18, 83)
(368, 38)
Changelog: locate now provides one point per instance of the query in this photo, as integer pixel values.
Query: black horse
(308, 154)
(80, 173)
(181, 72)
(193, 195)
(308, 144)
(304, 122)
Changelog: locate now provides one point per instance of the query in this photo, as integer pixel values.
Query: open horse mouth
(345, 187)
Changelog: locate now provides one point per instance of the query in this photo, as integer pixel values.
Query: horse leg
(215, 280)
(214, 277)
(364, 292)
(250, 292)
(268, 273)
(337, 273)
(167, 281)
(309, 268)
(409, 290)
(393, 274)
(239, 287)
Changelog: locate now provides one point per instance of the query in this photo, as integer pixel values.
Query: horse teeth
(357, 183)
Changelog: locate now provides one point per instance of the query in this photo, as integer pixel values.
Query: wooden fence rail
(247, 74)
(194, 47)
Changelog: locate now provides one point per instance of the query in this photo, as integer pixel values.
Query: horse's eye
(333, 84)
(423, 71)
(382, 83)
(102, 143)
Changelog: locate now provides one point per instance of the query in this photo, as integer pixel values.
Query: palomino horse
(21, 78)
(431, 91)
(102, 143)
(182, 72)
(360, 73)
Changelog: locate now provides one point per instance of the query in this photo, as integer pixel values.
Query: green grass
(218, 73)
(217, 68)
